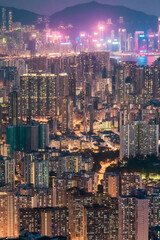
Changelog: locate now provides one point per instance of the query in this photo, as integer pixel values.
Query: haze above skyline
(49, 7)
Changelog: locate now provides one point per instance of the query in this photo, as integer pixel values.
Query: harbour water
(143, 60)
(146, 60)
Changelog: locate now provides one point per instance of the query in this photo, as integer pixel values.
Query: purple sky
(52, 6)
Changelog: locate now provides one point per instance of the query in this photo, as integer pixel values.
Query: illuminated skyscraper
(142, 43)
(72, 83)
(159, 33)
(28, 137)
(15, 107)
(137, 33)
(43, 136)
(10, 20)
(4, 27)
(128, 183)
(9, 216)
(151, 80)
(1, 122)
(151, 42)
(91, 117)
(120, 84)
(51, 222)
(39, 174)
(121, 20)
(130, 43)
(139, 138)
(76, 201)
(133, 218)
(67, 114)
(39, 95)
(10, 172)
(55, 222)
(113, 185)
(122, 39)
(96, 222)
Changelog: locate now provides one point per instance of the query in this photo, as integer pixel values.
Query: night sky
(51, 6)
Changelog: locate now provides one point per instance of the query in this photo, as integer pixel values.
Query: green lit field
(153, 176)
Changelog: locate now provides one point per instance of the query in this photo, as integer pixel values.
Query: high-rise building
(28, 137)
(43, 136)
(75, 201)
(10, 20)
(30, 219)
(43, 197)
(91, 117)
(39, 175)
(9, 216)
(55, 222)
(120, 84)
(10, 172)
(2, 171)
(113, 185)
(73, 77)
(51, 222)
(142, 43)
(39, 93)
(137, 33)
(133, 217)
(34, 164)
(101, 220)
(129, 182)
(4, 22)
(139, 138)
(121, 20)
(130, 43)
(151, 78)
(151, 42)
(96, 222)
(159, 33)
(67, 114)
(122, 39)
(1, 122)
(15, 107)
(70, 163)
(154, 210)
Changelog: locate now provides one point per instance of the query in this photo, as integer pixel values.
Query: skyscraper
(39, 173)
(159, 33)
(10, 20)
(96, 222)
(9, 220)
(39, 94)
(4, 22)
(10, 173)
(137, 33)
(51, 222)
(122, 39)
(133, 217)
(55, 222)
(139, 138)
(15, 107)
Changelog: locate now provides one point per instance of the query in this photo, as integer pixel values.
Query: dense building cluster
(59, 115)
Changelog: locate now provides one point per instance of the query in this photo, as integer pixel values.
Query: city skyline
(79, 124)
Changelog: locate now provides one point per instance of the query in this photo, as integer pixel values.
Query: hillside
(19, 15)
(85, 16)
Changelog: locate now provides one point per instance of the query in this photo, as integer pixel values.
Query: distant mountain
(86, 16)
(19, 15)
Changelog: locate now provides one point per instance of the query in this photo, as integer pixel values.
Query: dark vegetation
(102, 157)
(146, 165)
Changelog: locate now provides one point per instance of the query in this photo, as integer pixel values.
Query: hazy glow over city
(79, 123)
